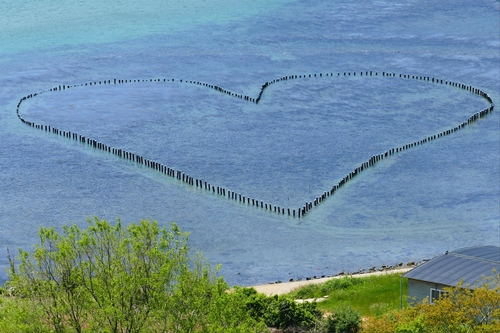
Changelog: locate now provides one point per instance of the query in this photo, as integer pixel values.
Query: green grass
(371, 296)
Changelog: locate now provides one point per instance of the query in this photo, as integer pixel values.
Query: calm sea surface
(302, 138)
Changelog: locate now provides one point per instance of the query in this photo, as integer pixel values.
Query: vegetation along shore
(144, 278)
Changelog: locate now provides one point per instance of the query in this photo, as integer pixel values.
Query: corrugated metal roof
(469, 264)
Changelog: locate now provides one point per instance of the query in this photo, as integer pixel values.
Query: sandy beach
(286, 287)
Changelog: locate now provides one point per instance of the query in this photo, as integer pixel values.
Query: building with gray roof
(469, 265)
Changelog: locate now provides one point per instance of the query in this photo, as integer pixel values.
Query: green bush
(344, 320)
(286, 313)
(280, 311)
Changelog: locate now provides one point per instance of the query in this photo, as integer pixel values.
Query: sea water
(302, 138)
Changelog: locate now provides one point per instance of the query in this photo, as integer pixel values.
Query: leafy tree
(107, 278)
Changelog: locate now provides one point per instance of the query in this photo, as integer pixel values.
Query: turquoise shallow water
(302, 137)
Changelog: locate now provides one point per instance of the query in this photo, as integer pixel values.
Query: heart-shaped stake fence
(231, 195)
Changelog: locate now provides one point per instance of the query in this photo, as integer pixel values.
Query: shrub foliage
(463, 309)
(143, 278)
(344, 320)
(280, 311)
(108, 278)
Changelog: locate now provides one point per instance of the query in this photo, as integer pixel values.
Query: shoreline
(286, 287)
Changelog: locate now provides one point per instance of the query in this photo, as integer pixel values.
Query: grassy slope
(371, 296)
